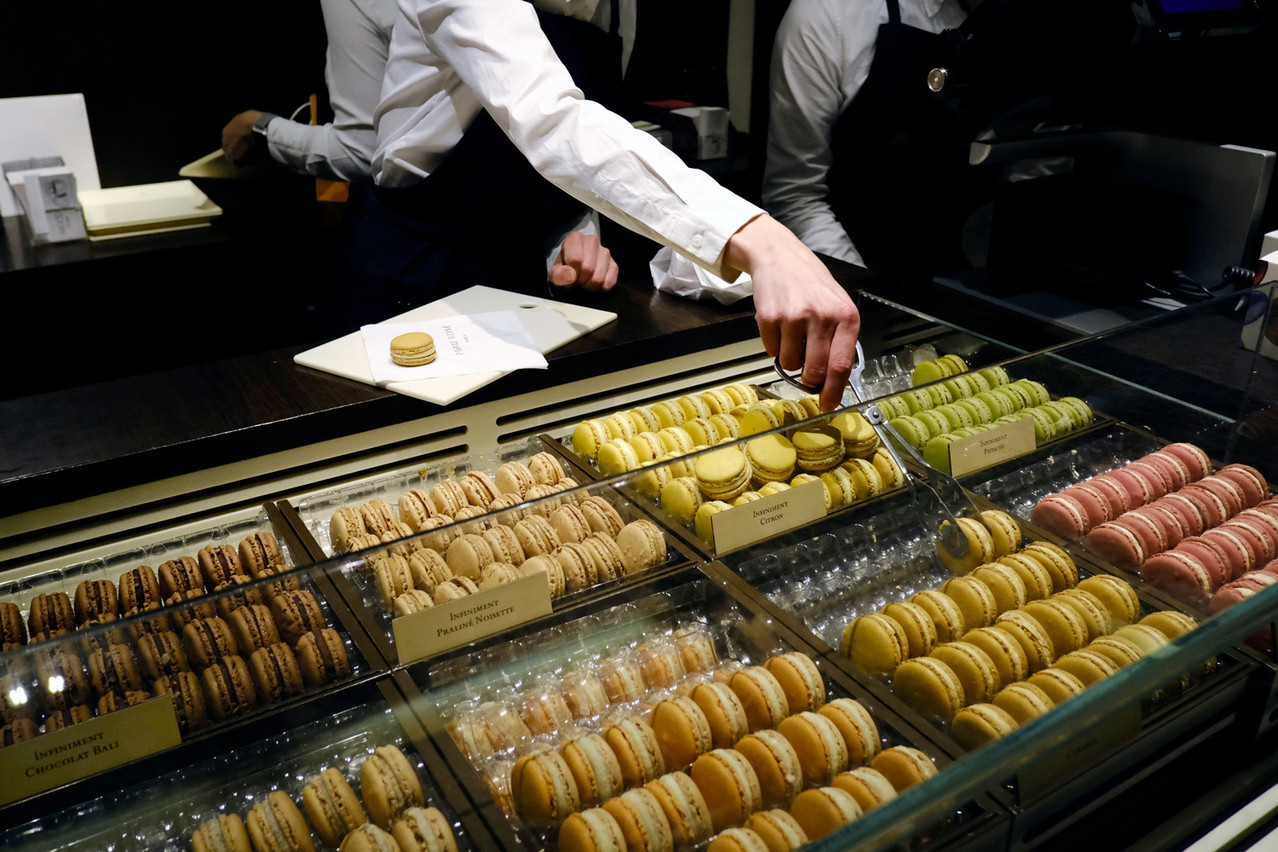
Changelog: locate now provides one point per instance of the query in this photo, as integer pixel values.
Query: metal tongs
(944, 487)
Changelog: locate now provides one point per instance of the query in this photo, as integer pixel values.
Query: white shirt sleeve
(451, 58)
(358, 46)
(820, 61)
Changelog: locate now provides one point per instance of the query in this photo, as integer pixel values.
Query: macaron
(776, 764)
(824, 810)
(980, 547)
(904, 766)
(1030, 634)
(929, 686)
(737, 839)
(1037, 580)
(223, 832)
(1005, 583)
(425, 830)
(1090, 667)
(1057, 684)
(412, 349)
(920, 629)
(761, 695)
(856, 725)
(542, 788)
(800, 680)
(868, 786)
(979, 724)
(594, 767)
(591, 830)
(1091, 609)
(682, 731)
(723, 711)
(332, 806)
(276, 825)
(976, 672)
(778, 829)
(946, 616)
(643, 822)
(875, 643)
(634, 743)
(819, 744)
(974, 599)
(685, 808)
(1057, 562)
(728, 785)
(1003, 650)
(1023, 701)
(1062, 515)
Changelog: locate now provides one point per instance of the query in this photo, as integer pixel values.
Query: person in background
(359, 34)
(458, 67)
(841, 65)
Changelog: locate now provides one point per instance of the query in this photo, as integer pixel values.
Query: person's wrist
(262, 123)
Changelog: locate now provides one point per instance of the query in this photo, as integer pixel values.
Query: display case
(844, 549)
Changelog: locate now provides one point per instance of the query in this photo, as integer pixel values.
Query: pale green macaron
(937, 452)
(995, 376)
(935, 421)
(911, 430)
(931, 370)
(956, 415)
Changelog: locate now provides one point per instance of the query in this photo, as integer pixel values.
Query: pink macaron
(1138, 490)
(1175, 472)
(1117, 545)
(1152, 538)
(1239, 555)
(1211, 556)
(1158, 483)
(1167, 520)
(1223, 489)
(1211, 507)
(1093, 503)
(1249, 480)
(1196, 460)
(1114, 494)
(1179, 574)
(1186, 510)
(1258, 537)
(1061, 515)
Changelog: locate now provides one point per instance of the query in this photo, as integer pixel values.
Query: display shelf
(94, 670)
(469, 687)
(361, 575)
(163, 809)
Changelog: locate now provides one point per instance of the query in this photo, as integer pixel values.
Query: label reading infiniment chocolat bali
(459, 622)
(94, 745)
(742, 526)
(991, 447)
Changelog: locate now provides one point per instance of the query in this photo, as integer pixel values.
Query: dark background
(161, 79)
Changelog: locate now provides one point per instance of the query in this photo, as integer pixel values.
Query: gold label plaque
(450, 625)
(991, 447)
(84, 749)
(742, 526)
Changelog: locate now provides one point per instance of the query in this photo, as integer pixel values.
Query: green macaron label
(87, 748)
(992, 446)
(742, 526)
(440, 628)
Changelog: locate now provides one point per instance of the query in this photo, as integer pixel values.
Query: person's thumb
(563, 276)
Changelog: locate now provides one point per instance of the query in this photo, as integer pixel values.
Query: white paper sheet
(464, 345)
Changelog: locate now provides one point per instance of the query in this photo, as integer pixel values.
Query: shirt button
(697, 240)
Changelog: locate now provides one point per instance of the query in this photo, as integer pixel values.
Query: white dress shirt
(451, 58)
(821, 59)
(358, 46)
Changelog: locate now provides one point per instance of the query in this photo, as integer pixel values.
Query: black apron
(483, 216)
(900, 182)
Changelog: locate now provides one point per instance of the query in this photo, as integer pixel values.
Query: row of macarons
(812, 446)
(214, 569)
(717, 805)
(448, 501)
(572, 558)
(1240, 589)
(392, 815)
(739, 474)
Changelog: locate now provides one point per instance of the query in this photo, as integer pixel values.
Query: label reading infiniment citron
(459, 622)
(1050, 768)
(94, 745)
(752, 522)
(991, 447)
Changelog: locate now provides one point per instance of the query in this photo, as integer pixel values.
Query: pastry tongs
(944, 487)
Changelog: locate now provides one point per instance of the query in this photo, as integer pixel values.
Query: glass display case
(484, 604)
